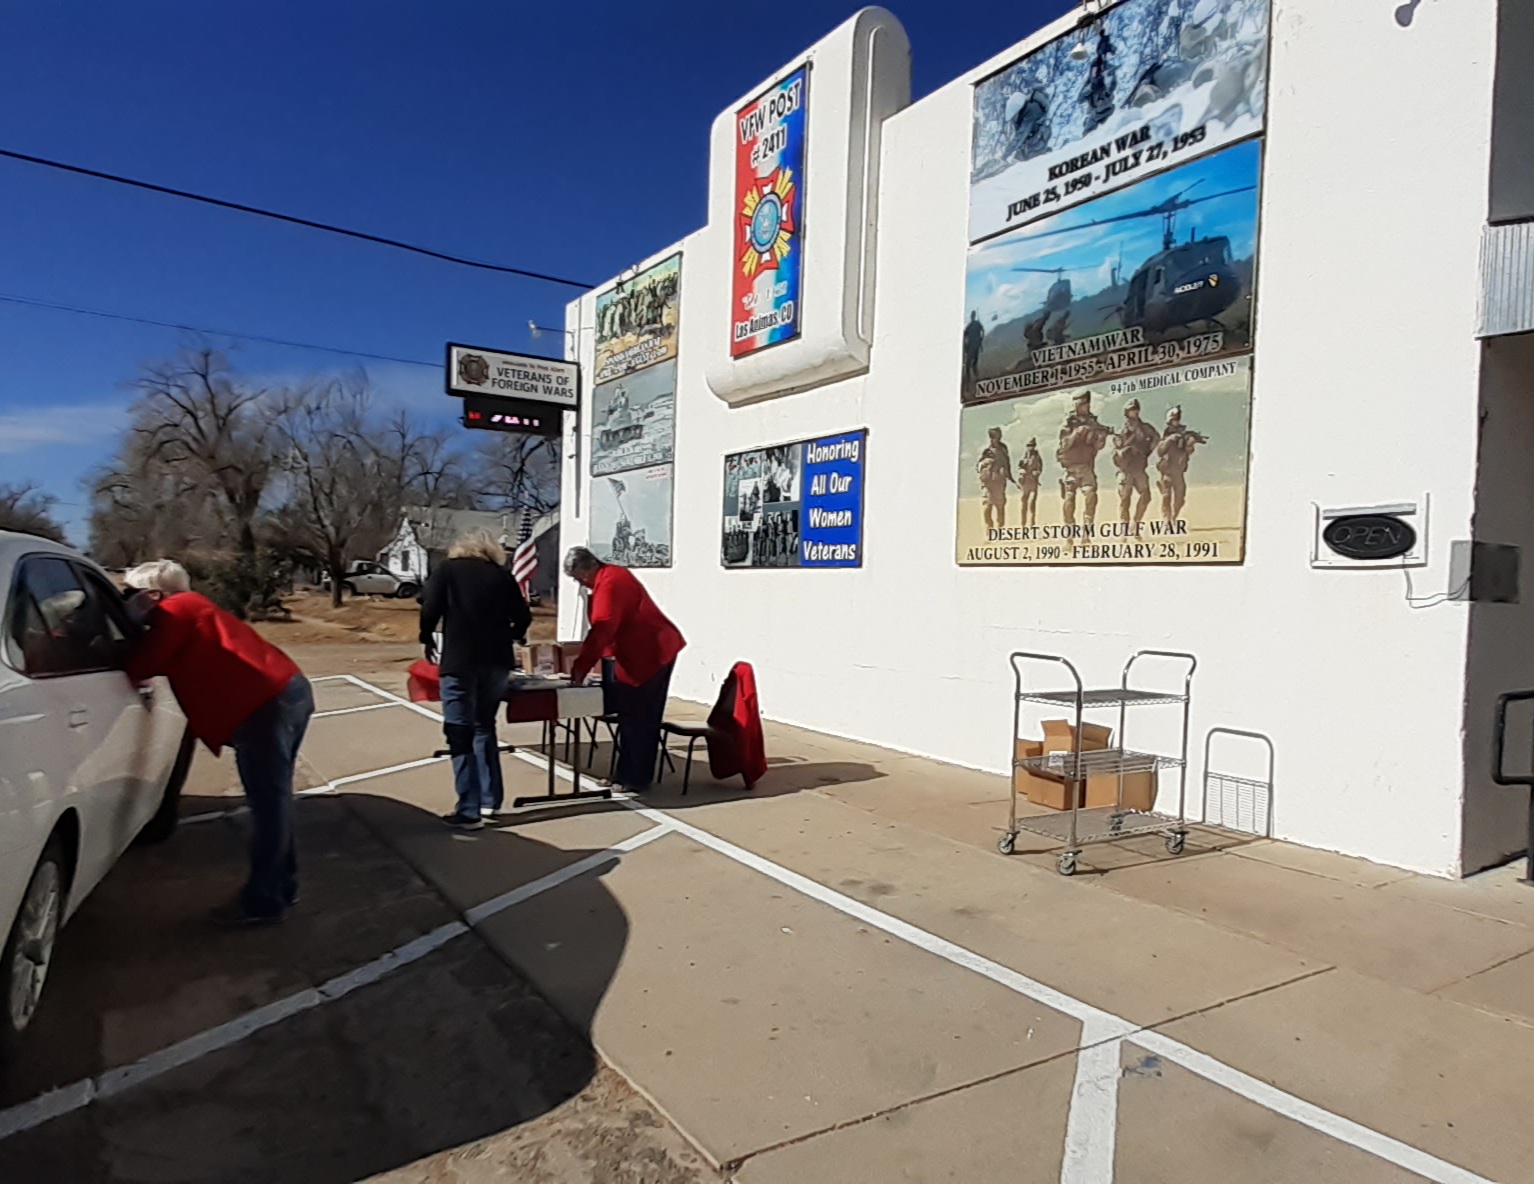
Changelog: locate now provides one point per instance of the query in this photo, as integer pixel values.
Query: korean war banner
(1160, 82)
(1146, 469)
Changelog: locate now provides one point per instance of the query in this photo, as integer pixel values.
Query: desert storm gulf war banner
(1146, 469)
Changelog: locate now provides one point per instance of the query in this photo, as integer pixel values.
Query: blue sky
(563, 138)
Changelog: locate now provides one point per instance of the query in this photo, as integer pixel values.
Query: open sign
(1369, 536)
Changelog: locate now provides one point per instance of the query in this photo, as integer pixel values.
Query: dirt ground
(365, 620)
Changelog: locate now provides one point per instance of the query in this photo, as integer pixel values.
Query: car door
(107, 721)
(37, 751)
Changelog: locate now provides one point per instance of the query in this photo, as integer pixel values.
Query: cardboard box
(1041, 789)
(549, 652)
(1139, 790)
(1060, 736)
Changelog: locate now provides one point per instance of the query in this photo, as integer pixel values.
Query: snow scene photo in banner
(1159, 82)
(634, 420)
(637, 321)
(1157, 274)
(631, 517)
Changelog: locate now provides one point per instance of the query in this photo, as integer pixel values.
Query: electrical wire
(1436, 598)
(118, 316)
(293, 219)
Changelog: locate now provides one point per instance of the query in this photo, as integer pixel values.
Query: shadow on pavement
(446, 1050)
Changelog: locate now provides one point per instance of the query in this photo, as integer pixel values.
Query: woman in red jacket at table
(627, 626)
(234, 688)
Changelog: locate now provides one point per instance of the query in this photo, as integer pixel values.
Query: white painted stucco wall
(1366, 391)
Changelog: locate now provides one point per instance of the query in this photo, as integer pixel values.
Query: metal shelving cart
(1081, 824)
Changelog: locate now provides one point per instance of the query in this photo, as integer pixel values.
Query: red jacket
(626, 625)
(221, 669)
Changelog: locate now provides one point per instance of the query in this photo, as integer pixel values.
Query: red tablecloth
(522, 706)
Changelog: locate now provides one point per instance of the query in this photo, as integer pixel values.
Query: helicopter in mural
(1038, 330)
(1185, 284)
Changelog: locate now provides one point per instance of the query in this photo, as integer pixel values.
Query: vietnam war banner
(1159, 82)
(1154, 275)
(1149, 469)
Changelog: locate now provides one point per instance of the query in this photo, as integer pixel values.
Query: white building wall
(1366, 392)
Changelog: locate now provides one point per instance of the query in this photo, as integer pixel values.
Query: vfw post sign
(769, 215)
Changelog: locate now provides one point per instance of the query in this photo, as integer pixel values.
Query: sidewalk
(837, 978)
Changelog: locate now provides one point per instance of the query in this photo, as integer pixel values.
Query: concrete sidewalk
(821, 979)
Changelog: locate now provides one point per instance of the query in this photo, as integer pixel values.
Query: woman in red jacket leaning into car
(235, 688)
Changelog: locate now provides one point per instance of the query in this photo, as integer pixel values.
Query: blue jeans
(265, 752)
(469, 704)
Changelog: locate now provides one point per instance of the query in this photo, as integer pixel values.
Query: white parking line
(56, 1103)
(1101, 1030)
(353, 710)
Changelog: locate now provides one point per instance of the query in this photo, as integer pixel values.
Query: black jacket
(482, 613)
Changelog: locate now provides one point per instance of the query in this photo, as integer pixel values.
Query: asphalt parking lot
(834, 979)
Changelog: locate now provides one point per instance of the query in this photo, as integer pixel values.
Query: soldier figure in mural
(1172, 457)
(1133, 445)
(995, 470)
(1029, 469)
(1081, 439)
(1102, 78)
(1029, 117)
(974, 340)
(1057, 331)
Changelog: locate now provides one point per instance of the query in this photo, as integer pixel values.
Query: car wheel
(349, 588)
(168, 816)
(406, 591)
(29, 949)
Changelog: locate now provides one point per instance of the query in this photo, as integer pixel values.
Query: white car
(364, 578)
(88, 762)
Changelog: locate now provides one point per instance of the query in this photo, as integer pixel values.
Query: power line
(290, 218)
(117, 316)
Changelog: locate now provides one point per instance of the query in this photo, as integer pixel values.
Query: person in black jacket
(483, 615)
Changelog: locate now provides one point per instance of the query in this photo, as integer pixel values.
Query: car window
(57, 625)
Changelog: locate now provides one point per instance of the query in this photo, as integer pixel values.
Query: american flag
(524, 560)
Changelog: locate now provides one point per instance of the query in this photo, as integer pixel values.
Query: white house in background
(424, 536)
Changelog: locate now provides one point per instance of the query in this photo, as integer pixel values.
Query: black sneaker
(463, 822)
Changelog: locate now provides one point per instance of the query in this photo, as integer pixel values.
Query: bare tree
(518, 472)
(209, 433)
(336, 474)
(26, 508)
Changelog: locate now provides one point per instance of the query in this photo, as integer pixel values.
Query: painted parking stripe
(56, 1103)
(353, 710)
(1100, 1028)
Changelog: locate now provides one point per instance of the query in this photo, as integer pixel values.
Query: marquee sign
(493, 374)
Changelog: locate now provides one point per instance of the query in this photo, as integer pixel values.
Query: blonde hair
(163, 575)
(478, 544)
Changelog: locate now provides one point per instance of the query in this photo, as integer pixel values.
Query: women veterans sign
(769, 216)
